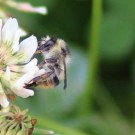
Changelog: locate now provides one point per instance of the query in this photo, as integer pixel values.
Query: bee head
(46, 43)
(54, 46)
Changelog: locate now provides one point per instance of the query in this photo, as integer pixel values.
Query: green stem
(56, 127)
(42, 131)
(93, 55)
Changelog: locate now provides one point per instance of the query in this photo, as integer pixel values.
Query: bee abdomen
(50, 83)
(56, 80)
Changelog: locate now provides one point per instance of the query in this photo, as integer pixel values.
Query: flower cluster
(16, 66)
(15, 122)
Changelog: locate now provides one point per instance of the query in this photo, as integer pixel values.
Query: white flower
(16, 66)
(26, 7)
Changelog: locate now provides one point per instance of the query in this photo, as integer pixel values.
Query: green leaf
(118, 27)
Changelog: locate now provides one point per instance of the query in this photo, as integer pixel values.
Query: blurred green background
(100, 98)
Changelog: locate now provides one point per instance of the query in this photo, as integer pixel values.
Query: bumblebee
(56, 56)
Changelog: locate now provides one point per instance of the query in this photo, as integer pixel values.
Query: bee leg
(32, 82)
(40, 65)
(51, 68)
(37, 51)
(38, 79)
(51, 60)
(46, 75)
(56, 80)
(30, 85)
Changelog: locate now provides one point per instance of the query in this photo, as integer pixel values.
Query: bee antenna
(65, 75)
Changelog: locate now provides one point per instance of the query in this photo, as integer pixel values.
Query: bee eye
(41, 47)
(49, 43)
(46, 46)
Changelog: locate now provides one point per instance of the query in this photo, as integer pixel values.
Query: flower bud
(15, 122)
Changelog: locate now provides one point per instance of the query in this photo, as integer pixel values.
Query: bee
(56, 55)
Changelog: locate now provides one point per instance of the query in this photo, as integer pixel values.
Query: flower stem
(93, 55)
(42, 131)
(56, 127)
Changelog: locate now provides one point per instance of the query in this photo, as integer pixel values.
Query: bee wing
(39, 80)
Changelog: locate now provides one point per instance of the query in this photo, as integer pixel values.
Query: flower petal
(23, 32)
(7, 74)
(26, 68)
(30, 65)
(26, 78)
(41, 10)
(15, 46)
(28, 47)
(24, 92)
(39, 72)
(0, 28)
(9, 30)
(3, 100)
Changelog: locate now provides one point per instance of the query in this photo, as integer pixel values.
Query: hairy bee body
(49, 83)
(56, 57)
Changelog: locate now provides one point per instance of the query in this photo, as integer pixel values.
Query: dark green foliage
(111, 102)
